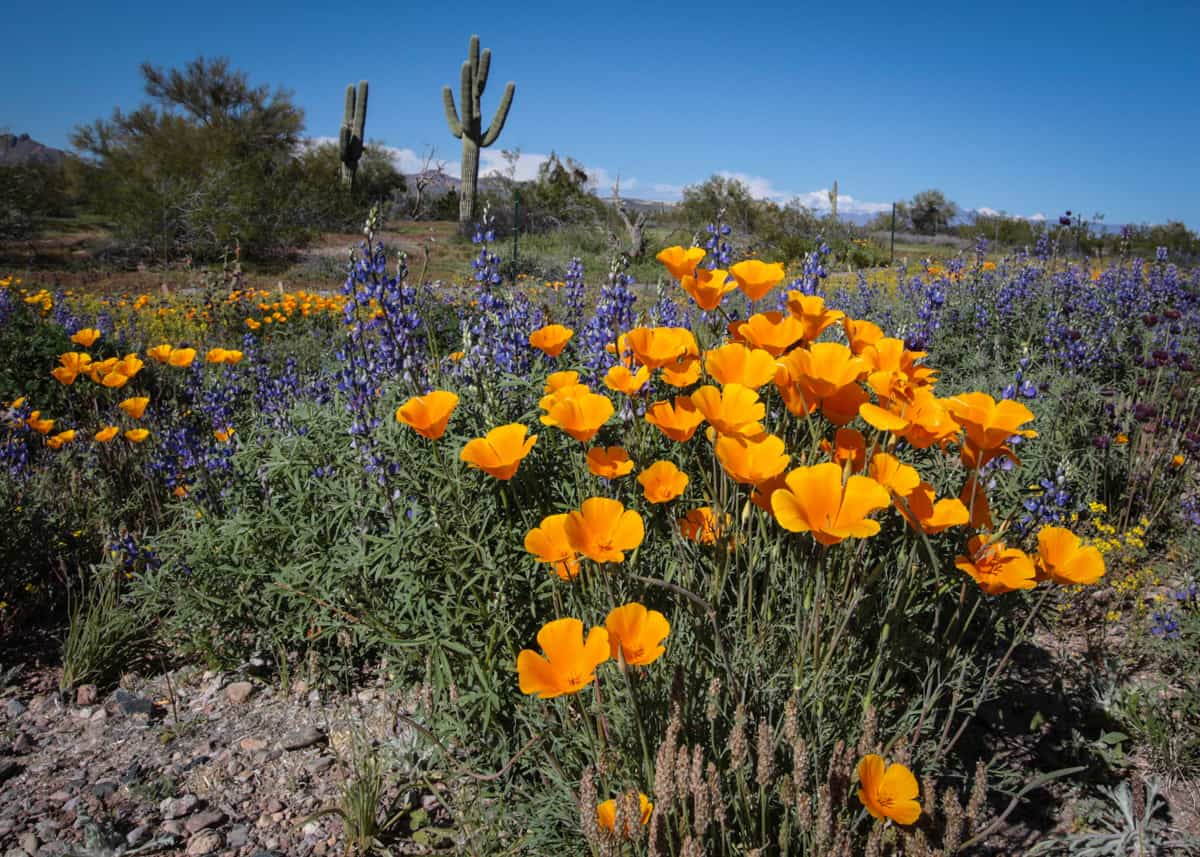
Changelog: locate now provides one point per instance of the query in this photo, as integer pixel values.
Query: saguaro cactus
(350, 140)
(469, 128)
(833, 197)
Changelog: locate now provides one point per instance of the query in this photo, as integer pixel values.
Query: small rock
(238, 836)
(253, 745)
(173, 827)
(132, 704)
(133, 773)
(239, 692)
(15, 708)
(60, 796)
(29, 842)
(86, 694)
(302, 738)
(98, 716)
(205, 842)
(274, 805)
(311, 829)
(178, 807)
(104, 789)
(204, 820)
(322, 763)
(22, 745)
(138, 835)
(6, 826)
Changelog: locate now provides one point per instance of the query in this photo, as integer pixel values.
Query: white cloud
(1037, 217)
(760, 188)
(987, 212)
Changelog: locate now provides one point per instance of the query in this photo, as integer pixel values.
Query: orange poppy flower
(861, 334)
(556, 381)
(73, 363)
(732, 410)
(606, 815)
(662, 482)
(888, 792)
(734, 363)
(810, 311)
(1062, 559)
(701, 525)
(223, 435)
(975, 499)
(996, 568)
(181, 357)
(86, 337)
(63, 375)
(1178, 460)
(114, 380)
(824, 376)
(756, 278)
(215, 355)
(815, 501)
(679, 422)
(500, 452)
(761, 495)
(894, 369)
(56, 441)
(603, 529)
(924, 512)
(609, 462)
(850, 447)
(569, 663)
(548, 542)
(253, 324)
(232, 356)
(428, 415)
(580, 416)
(129, 365)
(134, 407)
(136, 435)
(106, 434)
(989, 424)
(681, 262)
(898, 478)
(752, 461)
(771, 331)
(620, 380)
(708, 288)
(655, 347)
(97, 369)
(551, 339)
(38, 424)
(161, 353)
(683, 372)
(636, 634)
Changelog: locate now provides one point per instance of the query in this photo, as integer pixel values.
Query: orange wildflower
(683, 372)
(500, 452)
(755, 278)
(752, 461)
(609, 462)
(996, 568)
(223, 435)
(181, 357)
(551, 339)
(428, 415)
(678, 422)
(771, 331)
(161, 353)
(135, 406)
(106, 434)
(136, 435)
(898, 478)
(38, 424)
(989, 424)
(924, 512)
(810, 311)
(603, 529)
(215, 355)
(655, 347)
(701, 525)
(606, 815)
(975, 499)
(86, 337)
(56, 441)
(662, 482)
(708, 288)
(556, 381)
(581, 415)
(850, 447)
(732, 410)
(548, 542)
(815, 501)
(681, 262)
(620, 380)
(569, 663)
(824, 376)
(1061, 558)
(860, 334)
(636, 634)
(888, 792)
(734, 363)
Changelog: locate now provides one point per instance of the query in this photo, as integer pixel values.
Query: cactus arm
(348, 113)
(470, 101)
(473, 54)
(481, 75)
(497, 125)
(360, 112)
(451, 112)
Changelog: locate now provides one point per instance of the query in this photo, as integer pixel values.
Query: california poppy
(548, 542)
(662, 482)
(620, 380)
(223, 435)
(557, 380)
(603, 529)
(215, 355)
(772, 331)
(811, 312)
(569, 663)
(732, 410)
(888, 792)
(1063, 559)
(655, 347)
(678, 421)
(636, 634)
(56, 441)
(86, 337)
(860, 334)
(922, 509)
(996, 568)
(682, 372)
(580, 416)
(136, 435)
(756, 278)
(680, 262)
(134, 407)
(160, 352)
(849, 447)
(181, 357)
(500, 452)
(708, 287)
(989, 424)
(735, 363)
(700, 525)
(609, 462)
(428, 415)
(40, 425)
(751, 461)
(551, 339)
(106, 434)
(606, 814)
(815, 501)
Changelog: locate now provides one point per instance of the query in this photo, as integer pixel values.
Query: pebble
(303, 738)
(103, 789)
(205, 842)
(29, 842)
(253, 745)
(132, 704)
(22, 745)
(274, 805)
(178, 807)
(173, 827)
(137, 835)
(322, 763)
(15, 708)
(238, 836)
(204, 820)
(86, 694)
(239, 692)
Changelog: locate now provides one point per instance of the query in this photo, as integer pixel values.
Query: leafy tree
(931, 212)
(208, 163)
(701, 202)
(326, 204)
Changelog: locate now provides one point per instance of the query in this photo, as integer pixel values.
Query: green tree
(931, 212)
(701, 202)
(207, 164)
(323, 200)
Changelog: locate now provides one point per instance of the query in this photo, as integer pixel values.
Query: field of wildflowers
(735, 565)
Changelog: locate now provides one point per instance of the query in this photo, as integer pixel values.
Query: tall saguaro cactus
(833, 198)
(469, 128)
(350, 140)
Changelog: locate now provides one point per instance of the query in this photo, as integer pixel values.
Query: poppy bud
(1149, 319)
(1172, 314)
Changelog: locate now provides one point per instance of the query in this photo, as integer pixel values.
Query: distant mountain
(16, 150)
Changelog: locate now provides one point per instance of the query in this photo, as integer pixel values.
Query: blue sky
(1026, 108)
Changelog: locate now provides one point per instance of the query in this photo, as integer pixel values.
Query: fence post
(892, 258)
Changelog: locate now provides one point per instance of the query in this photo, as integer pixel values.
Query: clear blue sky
(1027, 108)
